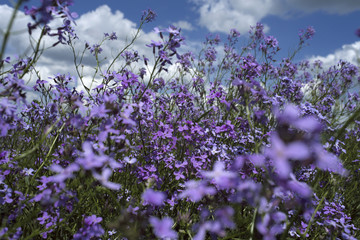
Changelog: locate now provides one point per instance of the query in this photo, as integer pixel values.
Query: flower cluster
(231, 145)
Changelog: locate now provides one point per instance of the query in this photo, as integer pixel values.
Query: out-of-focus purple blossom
(300, 188)
(220, 176)
(3, 231)
(357, 32)
(17, 234)
(172, 30)
(269, 230)
(130, 160)
(28, 171)
(328, 161)
(111, 36)
(96, 49)
(104, 179)
(163, 228)
(89, 160)
(210, 54)
(281, 154)
(153, 197)
(196, 190)
(291, 115)
(306, 34)
(63, 173)
(47, 11)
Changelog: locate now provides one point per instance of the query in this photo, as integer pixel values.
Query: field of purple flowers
(239, 145)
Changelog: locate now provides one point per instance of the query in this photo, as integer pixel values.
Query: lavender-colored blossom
(153, 197)
(89, 159)
(196, 190)
(220, 176)
(28, 171)
(130, 160)
(301, 188)
(328, 161)
(64, 173)
(104, 179)
(148, 15)
(91, 228)
(357, 32)
(163, 228)
(281, 154)
(111, 36)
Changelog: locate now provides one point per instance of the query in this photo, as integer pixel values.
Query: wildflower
(89, 159)
(357, 32)
(162, 227)
(196, 190)
(148, 16)
(281, 153)
(28, 171)
(91, 228)
(220, 176)
(111, 36)
(153, 197)
(104, 179)
(63, 173)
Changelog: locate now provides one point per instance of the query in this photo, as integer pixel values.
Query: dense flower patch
(234, 145)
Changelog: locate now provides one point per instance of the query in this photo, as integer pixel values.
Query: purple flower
(357, 32)
(90, 160)
(148, 15)
(28, 171)
(328, 161)
(220, 176)
(64, 173)
(99, 111)
(281, 153)
(196, 190)
(91, 228)
(301, 188)
(153, 197)
(96, 49)
(163, 228)
(306, 34)
(111, 36)
(104, 177)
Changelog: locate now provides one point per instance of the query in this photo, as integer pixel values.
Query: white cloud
(222, 15)
(90, 27)
(18, 41)
(184, 25)
(348, 52)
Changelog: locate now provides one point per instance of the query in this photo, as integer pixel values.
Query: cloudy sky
(335, 22)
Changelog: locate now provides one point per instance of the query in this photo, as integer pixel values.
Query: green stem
(7, 33)
(313, 215)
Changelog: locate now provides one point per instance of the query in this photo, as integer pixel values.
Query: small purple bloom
(220, 176)
(104, 179)
(196, 190)
(64, 173)
(357, 32)
(281, 153)
(153, 197)
(90, 160)
(163, 228)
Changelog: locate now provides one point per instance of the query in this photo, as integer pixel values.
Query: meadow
(237, 145)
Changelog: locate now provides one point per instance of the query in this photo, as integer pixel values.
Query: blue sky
(335, 22)
(334, 26)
